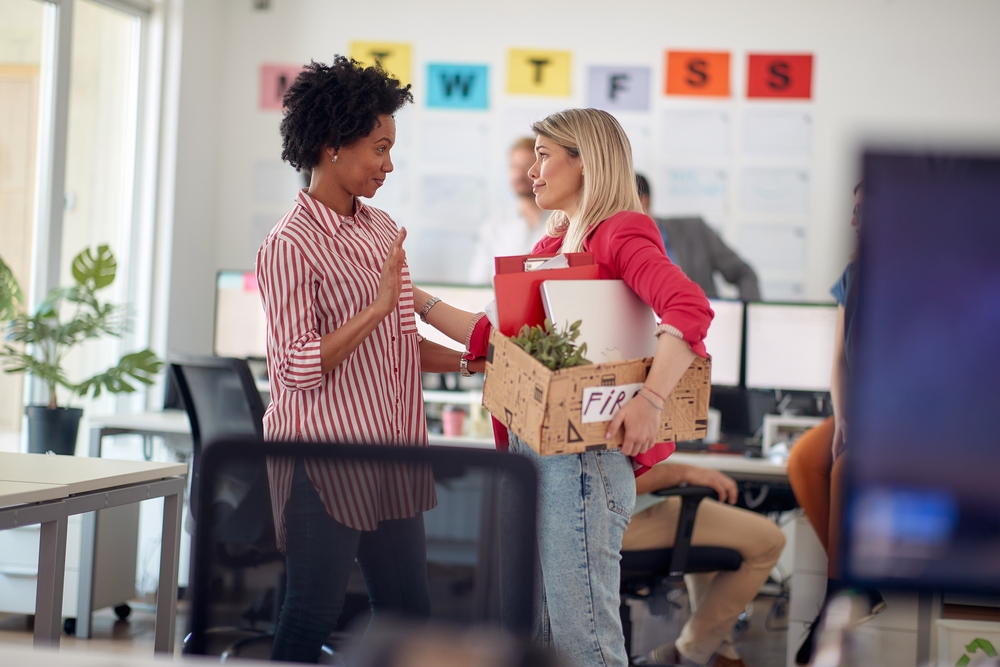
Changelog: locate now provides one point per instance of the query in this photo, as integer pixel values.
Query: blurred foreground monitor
(239, 576)
(923, 508)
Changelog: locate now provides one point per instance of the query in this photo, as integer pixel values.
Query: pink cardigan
(628, 246)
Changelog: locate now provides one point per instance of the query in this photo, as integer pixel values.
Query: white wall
(914, 70)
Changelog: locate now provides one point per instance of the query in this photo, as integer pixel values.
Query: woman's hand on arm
(639, 417)
(339, 344)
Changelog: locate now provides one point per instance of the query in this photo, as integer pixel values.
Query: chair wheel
(122, 611)
(69, 626)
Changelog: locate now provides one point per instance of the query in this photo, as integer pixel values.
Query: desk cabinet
(117, 535)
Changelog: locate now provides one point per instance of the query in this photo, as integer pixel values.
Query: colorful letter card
(701, 73)
(618, 88)
(393, 56)
(452, 86)
(537, 72)
(788, 76)
(274, 82)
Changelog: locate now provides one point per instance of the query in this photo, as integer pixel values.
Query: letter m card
(779, 75)
(451, 86)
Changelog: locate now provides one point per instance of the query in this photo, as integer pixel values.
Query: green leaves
(140, 366)
(11, 297)
(38, 343)
(95, 270)
(553, 348)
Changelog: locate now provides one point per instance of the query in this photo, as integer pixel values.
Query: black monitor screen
(924, 427)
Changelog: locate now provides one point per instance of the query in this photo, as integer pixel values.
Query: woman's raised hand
(390, 283)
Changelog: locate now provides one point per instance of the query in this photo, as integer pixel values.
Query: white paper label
(601, 403)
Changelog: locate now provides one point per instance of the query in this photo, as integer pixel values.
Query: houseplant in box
(37, 344)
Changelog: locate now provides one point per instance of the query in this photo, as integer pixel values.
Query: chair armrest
(690, 497)
(688, 492)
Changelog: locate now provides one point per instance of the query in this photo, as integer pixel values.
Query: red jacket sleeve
(638, 255)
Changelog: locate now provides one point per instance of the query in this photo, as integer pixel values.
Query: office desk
(76, 485)
(164, 423)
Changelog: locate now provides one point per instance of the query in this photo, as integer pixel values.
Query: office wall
(923, 71)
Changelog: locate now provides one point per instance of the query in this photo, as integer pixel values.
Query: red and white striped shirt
(316, 270)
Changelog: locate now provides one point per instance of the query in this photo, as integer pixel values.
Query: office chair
(221, 399)
(210, 603)
(646, 571)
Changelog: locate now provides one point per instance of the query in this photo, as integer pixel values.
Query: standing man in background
(516, 231)
(697, 249)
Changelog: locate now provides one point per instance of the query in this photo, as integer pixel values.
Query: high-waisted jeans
(584, 505)
(319, 556)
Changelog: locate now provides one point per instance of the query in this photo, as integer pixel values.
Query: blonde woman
(583, 174)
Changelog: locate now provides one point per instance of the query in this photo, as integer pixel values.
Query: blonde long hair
(608, 178)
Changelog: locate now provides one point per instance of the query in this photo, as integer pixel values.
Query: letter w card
(451, 86)
(776, 75)
(601, 403)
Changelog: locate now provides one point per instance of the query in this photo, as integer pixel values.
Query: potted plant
(37, 344)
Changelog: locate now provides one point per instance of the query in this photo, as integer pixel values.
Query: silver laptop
(616, 324)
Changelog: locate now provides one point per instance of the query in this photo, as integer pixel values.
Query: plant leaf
(95, 270)
(140, 366)
(11, 297)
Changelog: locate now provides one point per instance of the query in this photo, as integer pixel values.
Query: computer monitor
(924, 441)
(464, 297)
(790, 346)
(725, 342)
(240, 330)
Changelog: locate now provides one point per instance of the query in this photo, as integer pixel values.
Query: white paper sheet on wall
(690, 191)
(440, 255)
(770, 248)
(275, 183)
(783, 290)
(517, 122)
(767, 190)
(454, 142)
(640, 136)
(452, 200)
(696, 132)
(777, 132)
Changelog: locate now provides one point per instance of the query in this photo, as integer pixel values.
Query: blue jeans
(319, 556)
(584, 505)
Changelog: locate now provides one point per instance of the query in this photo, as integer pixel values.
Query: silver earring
(334, 159)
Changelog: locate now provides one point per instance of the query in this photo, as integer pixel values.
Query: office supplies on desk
(518, 293)
(614, 322)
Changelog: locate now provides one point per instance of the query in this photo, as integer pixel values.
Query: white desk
(76, 485)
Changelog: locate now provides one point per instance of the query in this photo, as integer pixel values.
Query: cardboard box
(563, 412)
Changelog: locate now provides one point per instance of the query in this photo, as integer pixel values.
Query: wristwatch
(463, 365)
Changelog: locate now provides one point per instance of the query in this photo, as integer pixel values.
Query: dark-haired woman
(344, 360)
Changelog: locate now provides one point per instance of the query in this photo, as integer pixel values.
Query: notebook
(616, 324)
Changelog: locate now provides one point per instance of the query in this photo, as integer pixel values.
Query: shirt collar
(327, 216)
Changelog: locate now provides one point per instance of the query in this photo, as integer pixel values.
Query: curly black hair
(335, 106)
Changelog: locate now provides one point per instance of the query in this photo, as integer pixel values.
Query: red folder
(519, 294)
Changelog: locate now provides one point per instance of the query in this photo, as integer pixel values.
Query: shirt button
(393, 339)
(395, 369)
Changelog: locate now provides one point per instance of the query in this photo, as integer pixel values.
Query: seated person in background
(698, 250)
(519, 228)
(717, 598)
(818, 461)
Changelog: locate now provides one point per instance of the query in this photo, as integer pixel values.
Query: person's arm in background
(668, 475)
(839, 378)
(730, 265)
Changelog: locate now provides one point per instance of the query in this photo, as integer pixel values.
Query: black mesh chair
(222, 400)
(647, 572)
